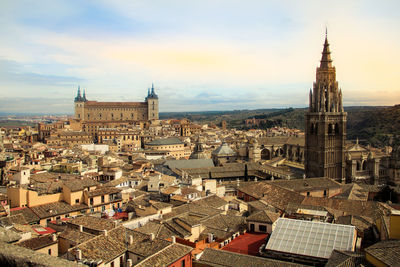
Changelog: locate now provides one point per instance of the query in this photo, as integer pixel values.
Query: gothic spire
(326, 61)
(78, 95)
(152, 89)
(84, 95)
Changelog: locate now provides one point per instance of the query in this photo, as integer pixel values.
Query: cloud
(200, 54)
(40, 105)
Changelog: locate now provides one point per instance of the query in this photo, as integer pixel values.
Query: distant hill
(373, 125)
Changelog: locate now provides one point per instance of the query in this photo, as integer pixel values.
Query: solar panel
(309, 238)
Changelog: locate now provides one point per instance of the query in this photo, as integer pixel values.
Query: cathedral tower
(325, 124)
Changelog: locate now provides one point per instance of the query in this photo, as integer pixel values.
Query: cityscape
(163, 150)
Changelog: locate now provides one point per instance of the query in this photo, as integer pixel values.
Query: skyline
(208, 55)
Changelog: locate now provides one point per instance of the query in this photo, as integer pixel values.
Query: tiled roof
(306, 184)
(189, 163)
(112, 104)
(359, 222)
(212, 201)
(227, 170)
(345, 259)
(117, 243)
(28, 214)
(271, 194)
(264, 216)
(80, 184)
(387, 252)
(221, 258)
(56, 208)
(166, 256)
(10, 220)
(38, 242)
(369, 209)
(165, 141)
(192, 207)
(91, 222)
(76, 236)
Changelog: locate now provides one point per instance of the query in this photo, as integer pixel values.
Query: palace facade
(96, 115)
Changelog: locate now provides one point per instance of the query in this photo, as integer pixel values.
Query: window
(183, 263)
(308, 194)
(103, 208)
(48, 220)
(262, 228)
(112, 264)
(324, 193)
(91, 201)
(91, 210)
(77, 201)
(49, 251)
(102, 199)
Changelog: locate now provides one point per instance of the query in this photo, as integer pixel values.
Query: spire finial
(326, 61)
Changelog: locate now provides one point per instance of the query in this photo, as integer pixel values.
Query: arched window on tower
(336, 128)
(364, 165)
(312, 128)
(358, 166)
(330, 129)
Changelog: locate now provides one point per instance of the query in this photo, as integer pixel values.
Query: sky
(200, 55)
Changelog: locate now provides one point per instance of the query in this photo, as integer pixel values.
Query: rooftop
(166, 256)
(310, 238)
(387, 252)
(165, 141)
(91, 222)
(38, 242)
(221, 258)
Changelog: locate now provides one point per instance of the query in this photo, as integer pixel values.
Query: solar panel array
(310, 238)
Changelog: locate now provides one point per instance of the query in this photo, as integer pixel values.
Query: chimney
(80, 228)
(173, 239)
(210, 238)
(105, 232)
(79, 254)
(54, 238)
(152, 236)
(130, 240)
(129, 263)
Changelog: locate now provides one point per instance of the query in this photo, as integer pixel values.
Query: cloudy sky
(201, 55)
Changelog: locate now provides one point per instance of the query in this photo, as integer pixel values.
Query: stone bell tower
(325, 124)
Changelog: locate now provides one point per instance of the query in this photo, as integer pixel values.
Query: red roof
(120, 215)
(43, 230)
